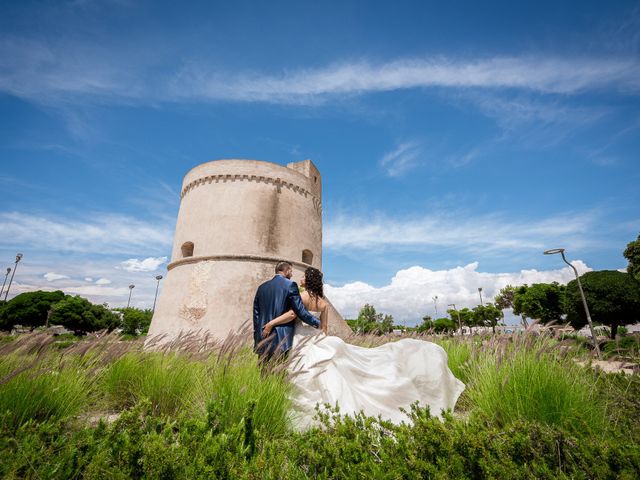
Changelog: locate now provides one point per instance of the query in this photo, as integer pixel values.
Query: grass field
(529, 411)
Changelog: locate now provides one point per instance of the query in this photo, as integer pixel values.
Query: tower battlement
(237, 219)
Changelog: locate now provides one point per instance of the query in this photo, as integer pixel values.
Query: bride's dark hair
(313, 282)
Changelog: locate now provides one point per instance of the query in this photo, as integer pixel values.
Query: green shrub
(234, 382)
(41, 393)
(169, 381)
(532, 381)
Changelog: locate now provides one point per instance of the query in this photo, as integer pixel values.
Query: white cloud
(540, 74)
(103, 281)
(104, 234)
(51, 276)
(472, 233)
(149, 264)
(401, 160)
(88, 279)
(59, 69)
(409, 295)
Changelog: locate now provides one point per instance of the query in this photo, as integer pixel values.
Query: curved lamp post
(131, 287)
(158, 278)
(553, 251)
(435, 303)
(5, 281)
(18, 258)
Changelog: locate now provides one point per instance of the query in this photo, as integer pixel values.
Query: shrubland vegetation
(529, 411)
(44, 309)
(99, 407)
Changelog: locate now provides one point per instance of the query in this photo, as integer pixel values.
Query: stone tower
(237, 219)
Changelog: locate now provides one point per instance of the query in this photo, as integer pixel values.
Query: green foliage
(529, 411)
(55, 391)
(632, 254)
(142, 445)
(505, 297)
(78, 314)
(29, 309)
(171, 383)
(135, 321)
(369, 321)
(622, 347)
(613, 298)
(444, 325)
(458, 354)
(487, 315)
(540, 301)
(528, 381)
(426, 325)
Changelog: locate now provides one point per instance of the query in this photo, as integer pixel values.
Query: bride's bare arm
(324, 319)
(286, 317)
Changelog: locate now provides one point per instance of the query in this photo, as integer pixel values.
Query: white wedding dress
(379, 381)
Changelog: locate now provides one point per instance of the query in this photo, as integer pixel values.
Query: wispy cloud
(60, 70)
(101, 234)
(402, 159)
(471, 233)
(539, 74)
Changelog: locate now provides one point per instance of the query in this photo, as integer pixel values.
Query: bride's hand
(266, 330)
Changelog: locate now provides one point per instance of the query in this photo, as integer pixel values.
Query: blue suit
(274, 298)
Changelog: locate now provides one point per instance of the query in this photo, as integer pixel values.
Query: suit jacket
(274, 298)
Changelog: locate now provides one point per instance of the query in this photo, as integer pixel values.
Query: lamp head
(8, 270)
(554, 251)
(131, 287)
(18, 257)
(158, 277)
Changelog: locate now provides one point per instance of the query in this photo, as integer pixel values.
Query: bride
(379, 381)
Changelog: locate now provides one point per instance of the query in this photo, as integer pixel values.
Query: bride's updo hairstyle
(313, 282)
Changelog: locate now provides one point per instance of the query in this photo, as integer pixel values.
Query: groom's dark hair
(282, 266)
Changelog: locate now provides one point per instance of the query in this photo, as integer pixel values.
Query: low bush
(530, 380)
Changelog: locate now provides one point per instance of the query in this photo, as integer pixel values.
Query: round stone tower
(237, 219)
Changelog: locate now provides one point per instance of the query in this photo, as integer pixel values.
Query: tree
(504, 299)
(426, 325)
(487, 315)
(370, 321)
(78, 314)
(465, 316)
(135, 321)
(29, 309)
(632, 253)
(613, 299)
(444, 325)
(541, 301)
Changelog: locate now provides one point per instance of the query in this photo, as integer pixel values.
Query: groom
(274, 298)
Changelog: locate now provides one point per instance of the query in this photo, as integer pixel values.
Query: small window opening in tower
(315, 179)
(307, 257)
(187, 249)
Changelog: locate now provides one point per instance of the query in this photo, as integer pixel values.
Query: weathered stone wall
(237, 219)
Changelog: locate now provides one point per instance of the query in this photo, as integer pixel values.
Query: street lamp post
(480, 293)
(553, 251)
(5, 281)
(458, 315)
(435, 302)
(131, 287)
(18, 258)
(158, 278)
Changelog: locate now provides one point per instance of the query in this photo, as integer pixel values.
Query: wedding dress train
(378, 381)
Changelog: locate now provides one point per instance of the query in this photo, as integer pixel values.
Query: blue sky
(456, 141)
